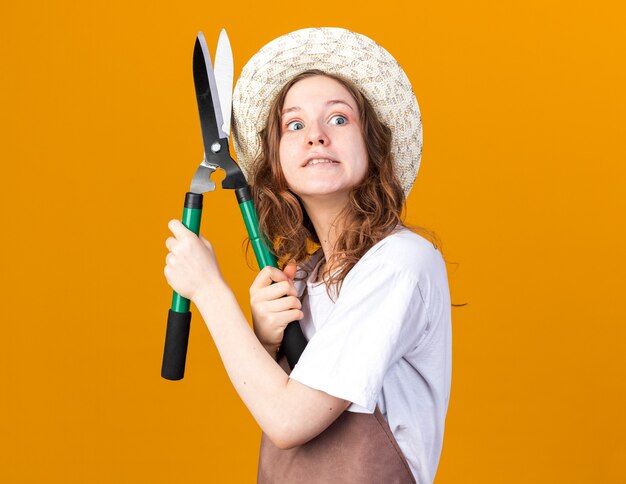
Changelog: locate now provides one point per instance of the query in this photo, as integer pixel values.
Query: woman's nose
(317, 136)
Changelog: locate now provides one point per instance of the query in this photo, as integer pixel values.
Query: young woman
(328, 131)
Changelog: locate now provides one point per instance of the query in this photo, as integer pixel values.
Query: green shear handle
(294, 341)
(179, 316)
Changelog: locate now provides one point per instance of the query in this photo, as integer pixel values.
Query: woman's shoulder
(405, 251)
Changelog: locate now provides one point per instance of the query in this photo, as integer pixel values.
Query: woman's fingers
(275, 291)
(267, 276)
(178, 229)
(282, 304)
(190, 265)
(293, 315)
(169, 243)
(278, 313)
(274, 303)
(277, 321)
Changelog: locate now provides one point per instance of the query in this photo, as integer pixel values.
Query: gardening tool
(214, 94)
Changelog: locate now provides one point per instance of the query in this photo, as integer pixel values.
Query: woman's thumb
(290, 270)
(205, 241)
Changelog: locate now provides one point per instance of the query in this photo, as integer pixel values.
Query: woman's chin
(325, 194)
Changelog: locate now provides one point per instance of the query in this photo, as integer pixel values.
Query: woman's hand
(274, 306)
(190, 265)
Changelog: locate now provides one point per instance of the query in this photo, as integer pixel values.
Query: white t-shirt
(386, 341)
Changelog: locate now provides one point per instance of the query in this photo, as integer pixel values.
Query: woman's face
(322, 150)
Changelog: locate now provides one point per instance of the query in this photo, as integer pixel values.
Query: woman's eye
(295, 126)
(338, 119)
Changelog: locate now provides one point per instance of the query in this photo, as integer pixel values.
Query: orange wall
(522, 178)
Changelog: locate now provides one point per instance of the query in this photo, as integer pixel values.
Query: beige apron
(355, 448)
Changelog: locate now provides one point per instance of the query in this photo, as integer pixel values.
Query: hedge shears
(214, 96)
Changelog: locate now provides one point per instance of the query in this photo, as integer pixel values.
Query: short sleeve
(378, 317)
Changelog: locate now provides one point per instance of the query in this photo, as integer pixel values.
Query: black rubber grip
(176, 340)
(193, 200)
(294, 343)
(243, 194)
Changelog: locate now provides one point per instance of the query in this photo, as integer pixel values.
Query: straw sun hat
(335, 51)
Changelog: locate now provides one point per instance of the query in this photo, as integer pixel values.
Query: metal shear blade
(214, 96)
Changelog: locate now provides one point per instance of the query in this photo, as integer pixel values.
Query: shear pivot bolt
(215, 147)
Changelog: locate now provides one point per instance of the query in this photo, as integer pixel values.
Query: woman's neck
(324, 215)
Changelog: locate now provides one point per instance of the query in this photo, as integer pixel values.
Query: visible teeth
(321, 160)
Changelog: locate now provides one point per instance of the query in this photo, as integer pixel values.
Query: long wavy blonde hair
(375, 206)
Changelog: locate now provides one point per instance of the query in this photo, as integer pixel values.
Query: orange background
(522, 178)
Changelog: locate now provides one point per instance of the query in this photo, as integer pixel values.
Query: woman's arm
(289, 412)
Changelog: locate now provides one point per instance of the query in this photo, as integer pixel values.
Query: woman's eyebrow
(332, 101)
(339, 101)
(288, 110)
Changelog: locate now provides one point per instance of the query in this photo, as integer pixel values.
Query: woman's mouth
(318, 161)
